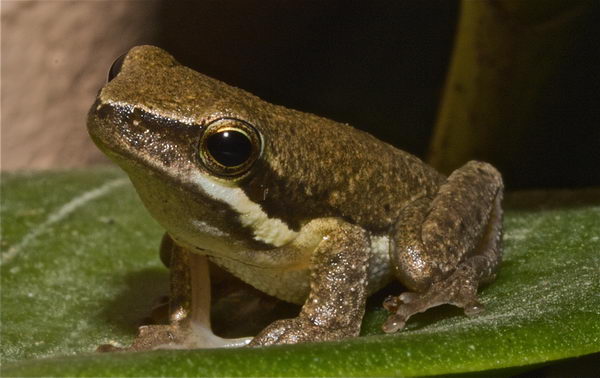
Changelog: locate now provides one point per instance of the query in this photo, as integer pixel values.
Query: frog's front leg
(338, 291)
(189, 306)
(444, 247)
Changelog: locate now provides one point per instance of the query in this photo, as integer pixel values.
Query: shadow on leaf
(131, 307)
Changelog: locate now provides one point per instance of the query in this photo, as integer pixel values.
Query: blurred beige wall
(54, 58)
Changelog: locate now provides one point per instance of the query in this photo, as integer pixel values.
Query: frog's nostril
(116, 67)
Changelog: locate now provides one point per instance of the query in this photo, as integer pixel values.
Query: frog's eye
(115, 68)
(229, 147)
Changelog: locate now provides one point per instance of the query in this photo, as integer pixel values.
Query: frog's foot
(151, 337)
(298, 330)
(176, 336)
(460, 289)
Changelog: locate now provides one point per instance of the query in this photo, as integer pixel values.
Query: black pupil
(230, 148)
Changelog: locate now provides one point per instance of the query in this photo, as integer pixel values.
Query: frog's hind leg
(189, 306)
(445, 247)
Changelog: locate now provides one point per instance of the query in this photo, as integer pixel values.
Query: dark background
(381, 66)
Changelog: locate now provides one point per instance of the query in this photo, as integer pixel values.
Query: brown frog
(303, 208)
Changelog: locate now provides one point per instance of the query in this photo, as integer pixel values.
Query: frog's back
(324, 168)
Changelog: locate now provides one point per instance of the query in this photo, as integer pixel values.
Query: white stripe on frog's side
(380, 270)
(268, 230)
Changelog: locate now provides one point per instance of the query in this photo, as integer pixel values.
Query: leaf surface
(80, 268)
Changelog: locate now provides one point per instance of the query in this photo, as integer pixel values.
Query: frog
(303, 208)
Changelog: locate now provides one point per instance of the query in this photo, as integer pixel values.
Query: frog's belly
(289, 285)
(294, 285)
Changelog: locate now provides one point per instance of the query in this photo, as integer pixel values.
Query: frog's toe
(106, 348)
(473, 308)
(149, 337)
(159, 337)
(392, 302)
(394, 323)
(460, 289)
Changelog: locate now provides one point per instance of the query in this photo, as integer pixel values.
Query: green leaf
(80, 268)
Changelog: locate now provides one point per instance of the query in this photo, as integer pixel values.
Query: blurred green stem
(505, 57)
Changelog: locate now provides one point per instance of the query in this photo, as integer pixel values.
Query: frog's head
(192, 147)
